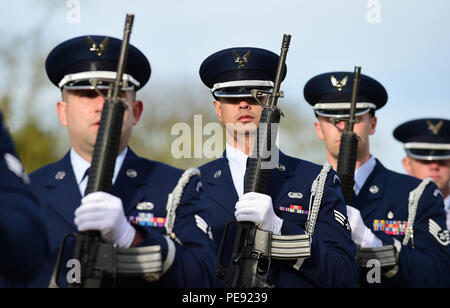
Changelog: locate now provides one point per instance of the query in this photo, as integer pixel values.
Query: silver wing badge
(242, 62)
(339, 85)
(98, 49)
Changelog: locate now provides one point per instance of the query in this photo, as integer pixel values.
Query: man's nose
(99, 102)
(341, 125)
(434, 165)
(243, 104)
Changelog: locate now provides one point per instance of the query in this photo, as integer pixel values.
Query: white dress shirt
(80, 165)
(362, 173)
(447, 203)
(447, 210)
(362, 234)
(237, 160)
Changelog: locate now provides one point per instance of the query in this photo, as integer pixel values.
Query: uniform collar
(218, 175)
(236, 157)
(65, 199)
(362, 173)
(237, 161)
(447, 203)
(372, 190)
(80, 165)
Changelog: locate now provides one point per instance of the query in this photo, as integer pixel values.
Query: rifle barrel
(280, 70)
(356, 78)
(123, 54)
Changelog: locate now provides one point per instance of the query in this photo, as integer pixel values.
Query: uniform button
(281, 167)
(60, 175)
(132, 173)
(217, 174)
(374, 189)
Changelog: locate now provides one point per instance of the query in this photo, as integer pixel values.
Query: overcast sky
(404, 44)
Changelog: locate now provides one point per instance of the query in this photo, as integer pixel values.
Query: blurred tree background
(21, 95)
(40, 139)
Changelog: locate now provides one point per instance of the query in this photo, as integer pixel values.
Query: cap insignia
(339, 84)
(98, 49)
(241, 61)
(434, 128)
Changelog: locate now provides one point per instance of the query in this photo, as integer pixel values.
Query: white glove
(104, 212)
(257, 208)
(361, 235)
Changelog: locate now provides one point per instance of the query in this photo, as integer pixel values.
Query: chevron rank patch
(336, 179)
(199, 187)
(294, 209)
(342, 219)
(390, 227)
(437, 192)
(202, 225)
(442, 236)
(16, 167)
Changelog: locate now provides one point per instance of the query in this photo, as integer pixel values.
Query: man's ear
(138, 108)
(406, 162)
(218, 109)
(61, 108)
(319, 130)
(373, 125)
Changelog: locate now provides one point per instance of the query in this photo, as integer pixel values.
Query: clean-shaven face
(239, 115)
(438, 170)
(327, 132)
(80, 111)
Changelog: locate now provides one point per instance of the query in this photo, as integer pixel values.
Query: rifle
(103, 162)
(349, 146)
(253, 248)
(387, 255)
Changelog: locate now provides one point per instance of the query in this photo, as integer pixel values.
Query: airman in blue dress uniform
(24, 238)
(427, 146)
(231, 74)
(134, 214)
(389, 208)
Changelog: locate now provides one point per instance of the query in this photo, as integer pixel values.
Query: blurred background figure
(382, 213)
(23, 238)
(427, 147)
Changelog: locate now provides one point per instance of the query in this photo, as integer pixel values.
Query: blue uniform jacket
(332, 262)
(23, 238)
(383, 203)
(151, 182)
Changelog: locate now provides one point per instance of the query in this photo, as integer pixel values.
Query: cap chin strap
(241, 83)
(339, 116)
(99, 87)
(344, 105)
(98, 75)
(326, 109)
(426, 157)
(427, 146)
(226, 95)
